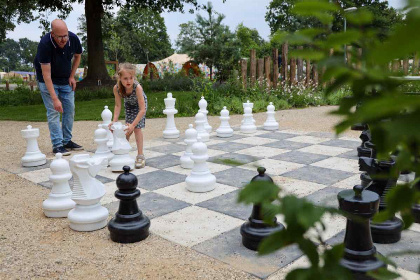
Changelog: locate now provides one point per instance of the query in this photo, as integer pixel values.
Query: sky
(249, 12)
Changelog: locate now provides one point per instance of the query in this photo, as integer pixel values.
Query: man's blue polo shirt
(59, 58)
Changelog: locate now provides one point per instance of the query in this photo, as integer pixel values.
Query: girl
(135, 104)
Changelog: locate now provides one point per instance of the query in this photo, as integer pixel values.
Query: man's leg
(66, 95)
(53, 116)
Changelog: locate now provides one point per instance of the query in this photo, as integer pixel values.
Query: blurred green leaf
(307, 54)
(383, 274)
(362, 16)
(258, 192)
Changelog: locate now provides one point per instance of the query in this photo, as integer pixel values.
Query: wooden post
(243, 72)
(284, 55)
(395, 65)
(31, 85)
(7, 85)
(300, 67)
(359, 58)
(292, 71)
(348, 55)
(253, 66)
(315, 74)
(85, 72)
(416, 64)
(405, 66)
(308, 72)
(275, 67)
(267, 64)
(260, 71)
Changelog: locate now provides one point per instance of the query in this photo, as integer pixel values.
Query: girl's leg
(139, 140)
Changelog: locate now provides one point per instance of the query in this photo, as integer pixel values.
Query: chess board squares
(281, 274)
(348, 183)
(323, 134)
(163, 162)
(261, 151)
(113, 175)
(318, 175)
(168, 149)
(147, 154)
(229, 146)
(299, 157)
(159, 179)
(192, 225)
(287, 145)
(354, 139)
(214, 167)
(37, 176)
(228, 248)
(308, 139)
(154, 143)
(324, 150)
(180, 192)
(296, 187)
(342, 143)
(296, 132)
(152, 205)
(333, 225)
(277, 135)
(210, 153)
(228, 204)
(350, 155)
(233, 159)
(110, 189)
(253, 140)
(273, 167)
(236, 177)
(326, 197)
(343, 164)
(258, 132)
(234, 137)
(20, 169)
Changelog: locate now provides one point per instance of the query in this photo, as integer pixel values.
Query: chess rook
(255, 230)
(59, 202)
(202, 104)
(224, 129)
(33, 156)
(129, 224)
(200, 180)
(170, 131)
(359, 252)
(248, 122)
(106, 116)
(101, 140)
(88, 214)
(199, 126)
(190, 138)
(271, 123)
(120, 148)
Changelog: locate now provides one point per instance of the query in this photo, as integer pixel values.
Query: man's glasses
(65, 37)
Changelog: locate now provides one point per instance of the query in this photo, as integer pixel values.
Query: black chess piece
(416, 207)
(364, 177)
(359, 252)
(359, 126)
(129, 224)
(363, 150)
(388, 231)
(255, 230)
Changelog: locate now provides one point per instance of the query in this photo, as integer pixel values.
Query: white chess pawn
(121, 149)
(59, 202)
(248, 123)
(190, 139)
(200, 180)
(203, 109)
(271, 123)
(107, 117)
(170, 131)
(88, 214)
(199, 126)
(224, 129)
(33, 156)
(101, 139)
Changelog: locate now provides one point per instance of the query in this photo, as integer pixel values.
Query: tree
(28, 51)
(248, 39)
(9, 55)
(95, 9)
(187, 37)
(15, 11)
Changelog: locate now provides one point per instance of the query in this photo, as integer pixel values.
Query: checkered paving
(315, 166)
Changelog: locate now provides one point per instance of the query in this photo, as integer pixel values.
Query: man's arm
(76, 62)
(46, 74)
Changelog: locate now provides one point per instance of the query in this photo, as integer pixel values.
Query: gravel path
(35, 247)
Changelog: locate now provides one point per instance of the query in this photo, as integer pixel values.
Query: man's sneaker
(140, 161)
(73, 146)
(61, 150)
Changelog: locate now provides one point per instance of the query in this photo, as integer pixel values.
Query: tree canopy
(17, 55)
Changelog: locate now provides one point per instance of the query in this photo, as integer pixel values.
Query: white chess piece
(203, 109)
(88, 214)
(271, 123)
(33, 156)
(190, 139)
(200, 180)
(248, 123)
(224, 129)
(121, 149)
(199, 126)
(101, 139)
(170, 131)
(59, 202)
(107, 117)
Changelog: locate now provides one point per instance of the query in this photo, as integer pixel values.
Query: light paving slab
(114, 175)
(296, 187)
(343, 164)
(273, 167)
(261, 151)
(254, 140)
(348, 183)
(324, 150)
(214, 167)
(308, 139)
(37, 176)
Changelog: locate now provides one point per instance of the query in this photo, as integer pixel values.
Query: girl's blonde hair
(131, 69)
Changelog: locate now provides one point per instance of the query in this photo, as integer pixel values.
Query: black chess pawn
(359, 252)
(255, 230)
(129, 224)
(416, 207)
(383, 181)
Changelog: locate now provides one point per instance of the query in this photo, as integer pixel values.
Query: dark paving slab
(236, 177)
(300, 157)
(163, 162)
(287, 145)
(318, 175)
(159, 179)
(230, 146)
(168, 149)
(277, 135)
(227, 204)
(233, 159)
(342, 143)
(325, 197)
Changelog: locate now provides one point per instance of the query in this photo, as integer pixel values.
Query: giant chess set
(187, 192)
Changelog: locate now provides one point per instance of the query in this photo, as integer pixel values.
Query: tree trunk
(300, 67)
(275, 67)
(253, 66)
(96, 59)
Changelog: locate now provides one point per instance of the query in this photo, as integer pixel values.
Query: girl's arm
(142, 111)
(117, 107)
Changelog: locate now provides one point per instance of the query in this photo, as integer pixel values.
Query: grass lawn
(92, 109)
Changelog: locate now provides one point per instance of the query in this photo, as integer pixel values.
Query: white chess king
(33, 156)
(170, 131)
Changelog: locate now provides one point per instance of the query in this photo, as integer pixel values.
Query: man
(55, 75)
